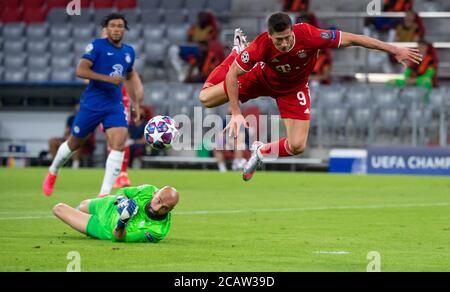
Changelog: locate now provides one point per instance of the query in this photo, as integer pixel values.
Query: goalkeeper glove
(127, 208)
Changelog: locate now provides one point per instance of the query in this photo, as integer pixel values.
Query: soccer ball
(160, 132)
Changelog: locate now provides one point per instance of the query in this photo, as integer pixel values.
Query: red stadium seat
(102, 4)
(10, 15)
(12, 3)
(85, 3)
(56, 4)
(35, 15)
(63, 3)
(28, 4)
(126, 4)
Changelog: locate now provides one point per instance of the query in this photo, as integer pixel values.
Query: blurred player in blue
(107, 64)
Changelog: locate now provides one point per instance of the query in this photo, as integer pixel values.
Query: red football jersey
(283, 70)
(126, 102)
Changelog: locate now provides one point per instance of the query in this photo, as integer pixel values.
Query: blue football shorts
(87, 120)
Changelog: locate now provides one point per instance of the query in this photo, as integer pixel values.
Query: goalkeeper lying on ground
(136, 214)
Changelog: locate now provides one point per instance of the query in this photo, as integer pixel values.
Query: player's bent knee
(58, 209)
(84, 206)
(297, 148)
(205, 99)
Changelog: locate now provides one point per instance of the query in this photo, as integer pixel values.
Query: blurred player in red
(278, 63)
(123, 180)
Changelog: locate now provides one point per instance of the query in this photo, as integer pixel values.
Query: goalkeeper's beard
(151, 213)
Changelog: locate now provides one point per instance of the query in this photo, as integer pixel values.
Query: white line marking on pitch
(214, 212)
(331, 252)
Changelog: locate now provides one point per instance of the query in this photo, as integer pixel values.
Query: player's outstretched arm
(84, 71)
(237, 119)
(135, 89)
(402, 55)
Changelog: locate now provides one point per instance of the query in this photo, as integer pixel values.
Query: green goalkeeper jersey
(140, 228)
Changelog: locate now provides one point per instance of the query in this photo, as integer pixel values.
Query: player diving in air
(278, 63)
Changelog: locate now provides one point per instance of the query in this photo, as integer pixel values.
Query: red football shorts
(294, 103)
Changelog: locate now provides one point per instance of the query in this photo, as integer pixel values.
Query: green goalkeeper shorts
(104, 218)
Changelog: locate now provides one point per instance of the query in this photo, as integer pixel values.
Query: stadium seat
(126, 4)
(38, 61)
(38, 75)
(18, 75)
(177, 33)
(219, 6)
(57, 16)
(37, 48)
(14, 47)
(134, 34)
(154, 32)
(14, 61)
(100, 14)
(11, 15)
(149, 4)
(336, 117)
(64, 74)
(61, 32)
(331, 96)
(156, 97)
(138, 46)
(362, 118)
(13, 31)
(35, 15)
(156, 51)
(79, 48)
(62, 62)
(86, 3)
(27, 4)
(133, 17)
(151, 16)
(51, 4)
(155, 93)
(58, 48)
(84, 32)
(180, 93)
(12, 3)
(139, 63)
(85, 18)
(172, 4)
(385, 96)
(36, 32)
(173, 17)
(102, 4)
(359, 96)
(410, 95)
(195, 5)
(437, 98)
(390, 118)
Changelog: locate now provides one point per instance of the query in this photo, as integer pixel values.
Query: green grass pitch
(279, 221)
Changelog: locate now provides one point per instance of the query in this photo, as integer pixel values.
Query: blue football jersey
(108, 60)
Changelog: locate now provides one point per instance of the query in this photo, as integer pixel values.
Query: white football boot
(253, 163)
(240, 42)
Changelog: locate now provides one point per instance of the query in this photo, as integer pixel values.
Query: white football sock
(64, 153)
(222, 166)
(112, 171)
(75, 164)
